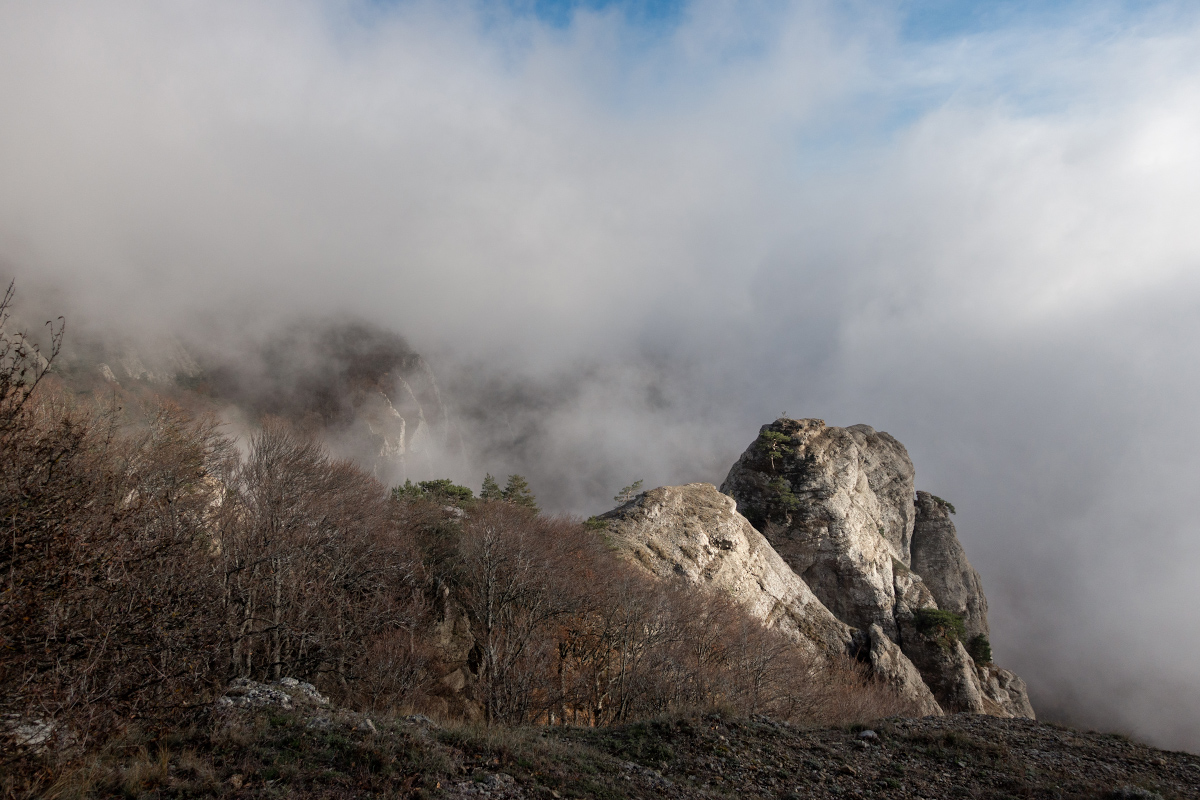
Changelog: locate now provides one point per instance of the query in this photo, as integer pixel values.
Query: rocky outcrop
(1004, 694)
(938, 557)
(890, 665)
(695, 533)
(946, 668)
(373, 399)
(837, 504)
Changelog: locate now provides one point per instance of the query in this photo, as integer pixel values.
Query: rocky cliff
(695, 534)
(362, 388)
(835, 547)
(839, 506)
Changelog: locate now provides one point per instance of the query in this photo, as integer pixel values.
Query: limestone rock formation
(362, 388)
(695, 533)
(837, 503)
(1004, 694)
(889, 664)
(941, 561)
(948, 671)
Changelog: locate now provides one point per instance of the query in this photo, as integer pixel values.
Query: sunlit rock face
(837, 504)
(695, 533)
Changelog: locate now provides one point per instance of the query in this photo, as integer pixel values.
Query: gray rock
(837, 504)
(1004, 694)
(28, 732)
(947, 670)
(889, 664)
(301, 690)
(695, 533)
(366, 726)
(939, 558)
(245, 693)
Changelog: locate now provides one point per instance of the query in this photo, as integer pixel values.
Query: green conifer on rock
(517, 491)
(490, 489)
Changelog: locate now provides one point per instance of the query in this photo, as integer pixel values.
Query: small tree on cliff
(773, 445)
(628, 493)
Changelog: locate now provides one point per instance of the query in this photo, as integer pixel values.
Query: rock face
(373, 399)
(839, 506)
(695, 533)
(891, 665)
(837, 503)
(939, 558)
(1004, 694)
(946, 668)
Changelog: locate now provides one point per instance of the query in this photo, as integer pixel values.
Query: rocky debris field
(960, 756)
(272, 751)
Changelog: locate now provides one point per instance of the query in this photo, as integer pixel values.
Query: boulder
(1004, 694)
(939, 558)
(283, 693)
(837, 504)
(695, 534)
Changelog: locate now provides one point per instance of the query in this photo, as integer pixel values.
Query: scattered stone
(319, 723)
(29, 732)
(1130, 792)
(868, 734)
(366, 726)
(305, 690)
(245, 693)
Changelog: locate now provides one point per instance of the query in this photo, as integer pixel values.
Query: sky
(626, 235)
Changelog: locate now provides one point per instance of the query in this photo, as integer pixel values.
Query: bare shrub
(313, 565)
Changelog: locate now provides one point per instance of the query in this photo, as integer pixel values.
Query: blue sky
(923, 20)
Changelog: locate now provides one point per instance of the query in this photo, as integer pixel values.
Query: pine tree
(628, 493)
(516, 491)
(490, 489)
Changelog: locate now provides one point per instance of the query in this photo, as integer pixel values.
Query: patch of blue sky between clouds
(655, 14)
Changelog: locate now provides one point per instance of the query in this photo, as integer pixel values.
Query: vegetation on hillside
(148, 560)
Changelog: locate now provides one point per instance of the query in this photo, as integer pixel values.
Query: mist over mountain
(620, 246)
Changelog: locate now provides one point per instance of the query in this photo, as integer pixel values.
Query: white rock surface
(695, 533)
(849, 514)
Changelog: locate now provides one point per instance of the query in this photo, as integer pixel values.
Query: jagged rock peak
(837, 503)
(695, 533)
(939, 558)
